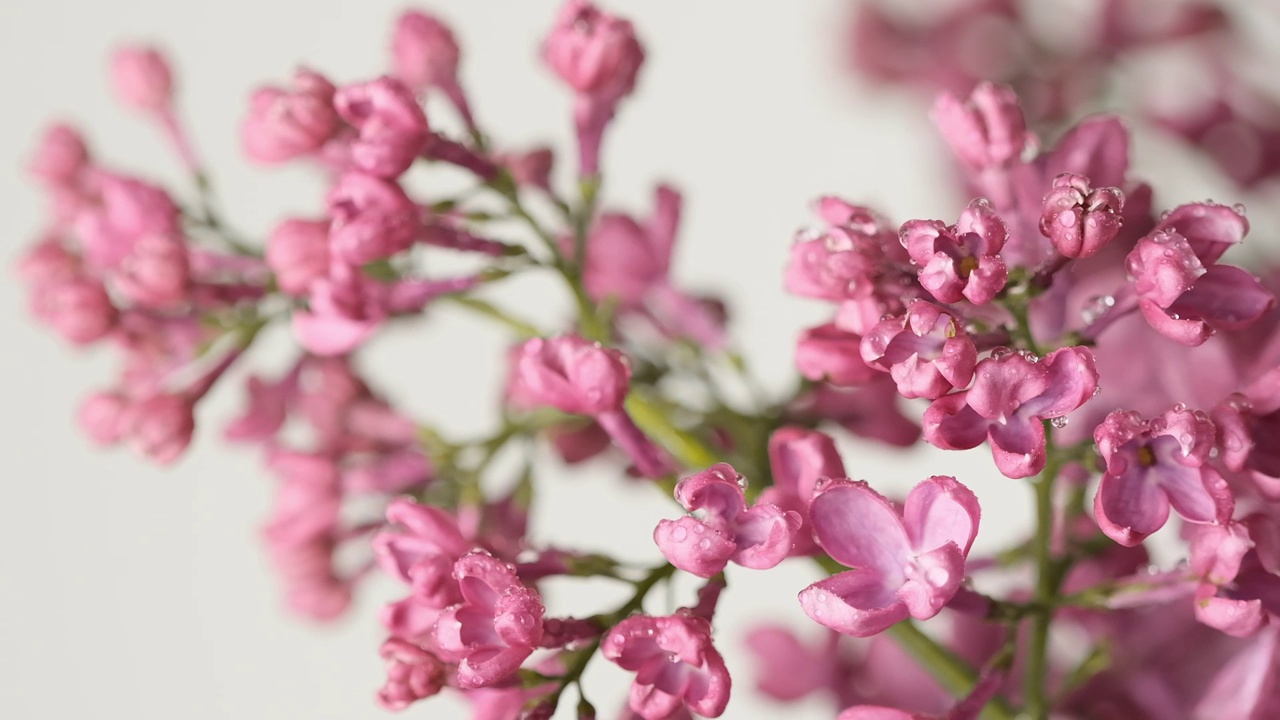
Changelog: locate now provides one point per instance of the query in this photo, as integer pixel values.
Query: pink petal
(856, 603)
(1071, 380)
(932, 580)
(1189, 331)
(1210, 228)
(1226, 297)
(1128, 508)
(765, 535)
(876, 712)
(941, 510)
(799, 456)
(1097, 148)
(330, 335)
(860, 529)
(1238, 618)
(694, 547)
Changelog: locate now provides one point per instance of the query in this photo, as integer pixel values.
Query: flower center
(1146, 458)
(967, 266)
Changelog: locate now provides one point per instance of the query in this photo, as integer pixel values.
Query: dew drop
(705, 544)
(1239, 208)
(1058, 422)
(1096, 307)
(937, 576)
(680, 534)
(741, 480)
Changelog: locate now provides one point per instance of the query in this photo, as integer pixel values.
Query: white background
(127, 591)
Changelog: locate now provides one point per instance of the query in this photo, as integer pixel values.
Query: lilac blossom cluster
(1100, 349)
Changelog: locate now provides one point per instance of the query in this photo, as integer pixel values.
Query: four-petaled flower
(675, 665)
(495, 627)
(907, 563)
(960, 261)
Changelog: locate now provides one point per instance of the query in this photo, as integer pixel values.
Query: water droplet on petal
(1058, 422)
(680, 534)
(1239, 208)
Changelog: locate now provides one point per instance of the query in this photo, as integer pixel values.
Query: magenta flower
(284, 124)
(985, 130)
(1153, 465)
(373, 219)
(1078, 218)
(413, 674)
(495, 627)
(907, 564)
(391, 125)
(1237, 591)
(870, 411)
(758, 537)
(298, 254)
(1012, 395)
(848, 259)
(141, 78)
(828, 353)
(572, 374)
(675, 663)
(422, 551)
(960, 261)
(926, 351)
(627, 260)
(799, 459)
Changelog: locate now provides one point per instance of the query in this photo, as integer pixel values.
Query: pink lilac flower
(1153, 465)
(392, 128)
(156, 273)
(160, 426)
(419, 549)
(413, 673)
(373, 218)
(871, 411)
(828, 353)
(1245, 686)
(926, 351)
(126, 209)
(986, 130)
(848, 259)
(1247, 422)
(1238, 567)
(287, 123)
(675, 663)
(907, 563)
(303, 533)
(298, 254)
(758, 537)
(576, 376)
(626, 260)
(1080, 219)
(1011, 397)
(101, 417)
(960, 261)
(799, 460)
(77, 308)
(495, 627)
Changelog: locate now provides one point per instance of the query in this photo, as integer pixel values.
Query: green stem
(684, 446)
(493, 312)
(1037, 706)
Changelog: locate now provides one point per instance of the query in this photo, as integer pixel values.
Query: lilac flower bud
(287, 123)
(101, 416)
(827, 353)
(986, 129)
(424, 52)
(497, 625)
(594, 52)
(926, 351)
(298, 254)
(1080, 220)
(60, 157)
(141, 78)
(392, 127)
(572, 374)
(160, 426)
(413, 674)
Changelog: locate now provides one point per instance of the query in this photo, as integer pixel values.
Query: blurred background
(132, 590)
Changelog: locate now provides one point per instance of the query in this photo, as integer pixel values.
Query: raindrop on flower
(1058, 422)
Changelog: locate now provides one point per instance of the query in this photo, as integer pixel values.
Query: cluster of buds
(1095, 348)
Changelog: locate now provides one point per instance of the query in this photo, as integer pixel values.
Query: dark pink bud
(412, 674)
(594, 52)
(298, 254)
(1078, 219)
(424, 52)
(287, 123)
(141, 78)
(373, 219)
